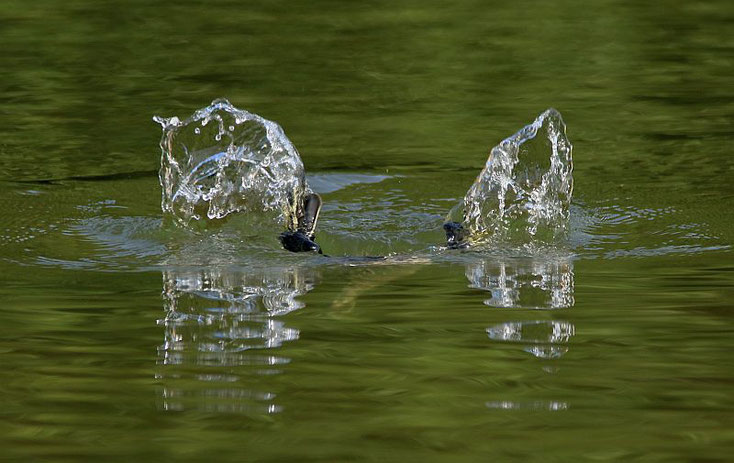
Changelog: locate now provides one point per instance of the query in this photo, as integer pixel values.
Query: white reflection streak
(541, 337)
(552, 406)
(524, 283)
(216, 322)
(539, 284)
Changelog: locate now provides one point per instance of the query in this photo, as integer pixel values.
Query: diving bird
(302, 238)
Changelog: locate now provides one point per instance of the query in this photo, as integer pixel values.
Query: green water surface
(125, 339)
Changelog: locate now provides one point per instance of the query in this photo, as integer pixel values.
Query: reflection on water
(531, 283)
(551, 406)
(220, 328)
(541, 338)
(545, 283)
(537, 283)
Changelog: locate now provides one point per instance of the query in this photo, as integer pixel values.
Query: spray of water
(222, 160)
(523, 194)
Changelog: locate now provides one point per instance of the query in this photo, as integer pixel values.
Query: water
(524, 191)
(125, 337)
(226, 160)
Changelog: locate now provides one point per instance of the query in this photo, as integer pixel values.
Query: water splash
(524, 191)
(222, 160)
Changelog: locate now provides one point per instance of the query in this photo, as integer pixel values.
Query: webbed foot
(298, 241)
(455, 235)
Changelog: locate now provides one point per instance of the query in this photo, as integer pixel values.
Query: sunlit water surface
(124, 337)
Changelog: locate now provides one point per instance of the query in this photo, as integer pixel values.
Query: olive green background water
(398, 361)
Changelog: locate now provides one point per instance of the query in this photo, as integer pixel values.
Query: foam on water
(222, 160)
(524, 191)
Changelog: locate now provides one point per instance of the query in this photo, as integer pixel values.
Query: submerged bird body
(302, 238)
